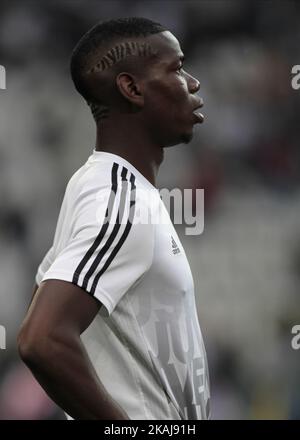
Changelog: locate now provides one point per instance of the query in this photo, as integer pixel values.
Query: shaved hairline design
(114, 55)
(99, 111)
(120, 52)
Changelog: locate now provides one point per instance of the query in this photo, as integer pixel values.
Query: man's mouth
(198, 116)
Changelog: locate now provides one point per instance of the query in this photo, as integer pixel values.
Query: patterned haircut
(121, 33)
(121, 51)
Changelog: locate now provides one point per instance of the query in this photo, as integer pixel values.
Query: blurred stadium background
(246, 264)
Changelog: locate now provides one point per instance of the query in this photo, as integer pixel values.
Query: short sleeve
(45, 265)
(109, 251)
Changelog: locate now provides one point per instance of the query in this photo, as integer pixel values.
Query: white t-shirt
(114, 238)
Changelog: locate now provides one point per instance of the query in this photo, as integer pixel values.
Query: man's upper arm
(59, 308)
(107, 251)
(44, 266)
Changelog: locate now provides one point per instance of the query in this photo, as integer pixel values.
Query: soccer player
(112, 330)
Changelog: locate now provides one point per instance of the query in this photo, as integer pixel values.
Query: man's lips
(198, 116)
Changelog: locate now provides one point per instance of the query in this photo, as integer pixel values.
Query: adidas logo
(175, 248)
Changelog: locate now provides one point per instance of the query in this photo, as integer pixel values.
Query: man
(112, 331)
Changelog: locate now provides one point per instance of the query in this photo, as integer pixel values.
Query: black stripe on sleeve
(113, 233)
(123, 237)
(111, 200)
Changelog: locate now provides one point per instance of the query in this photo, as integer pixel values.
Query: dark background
(246, 264)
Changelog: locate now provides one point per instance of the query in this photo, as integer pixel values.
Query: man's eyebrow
(178, 58)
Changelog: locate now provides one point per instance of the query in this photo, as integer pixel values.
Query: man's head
(133, 66)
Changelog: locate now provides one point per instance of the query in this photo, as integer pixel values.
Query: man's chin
(186, 138)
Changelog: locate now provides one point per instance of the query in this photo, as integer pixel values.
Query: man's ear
(130, 88)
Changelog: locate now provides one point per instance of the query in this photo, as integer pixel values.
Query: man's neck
(143, 155)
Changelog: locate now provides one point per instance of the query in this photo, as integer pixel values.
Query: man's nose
(194, 85)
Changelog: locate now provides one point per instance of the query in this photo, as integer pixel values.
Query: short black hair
(103, 33)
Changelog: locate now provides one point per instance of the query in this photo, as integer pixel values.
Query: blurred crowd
(246, 264)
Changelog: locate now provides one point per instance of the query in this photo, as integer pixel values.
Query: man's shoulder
(109, 186)
(90, 177)
(110, 175)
